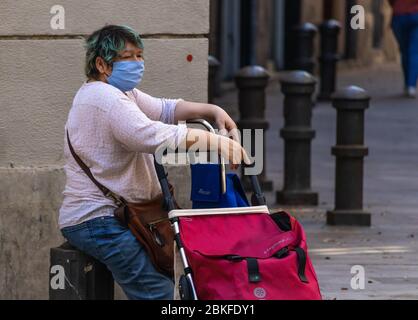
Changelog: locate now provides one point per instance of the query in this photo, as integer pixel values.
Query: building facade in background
(231, 38)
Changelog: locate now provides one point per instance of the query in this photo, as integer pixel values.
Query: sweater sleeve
(136, 132)
(158, 109)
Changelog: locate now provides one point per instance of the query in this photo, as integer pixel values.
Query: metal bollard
(76, 276)
(298, 88)
(252, 82)
(329, 57)
(213, 84)
(304, 47)
(351, 103)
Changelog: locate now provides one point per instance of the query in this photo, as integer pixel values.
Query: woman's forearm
(192, 110)
(186, 110)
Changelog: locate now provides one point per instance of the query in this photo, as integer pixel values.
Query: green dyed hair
(106, 43)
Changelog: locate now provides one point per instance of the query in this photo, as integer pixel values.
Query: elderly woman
(115, 129)
(405, 28)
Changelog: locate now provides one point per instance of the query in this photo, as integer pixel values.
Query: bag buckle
(157, 236)
(116, 199)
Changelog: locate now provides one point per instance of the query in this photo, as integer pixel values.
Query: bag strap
(301, 254)
(107, 193)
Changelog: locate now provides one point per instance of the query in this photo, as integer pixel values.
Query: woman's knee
(146, 287)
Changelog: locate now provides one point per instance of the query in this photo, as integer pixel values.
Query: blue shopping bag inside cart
(206, 190)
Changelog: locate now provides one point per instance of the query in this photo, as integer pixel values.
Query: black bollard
(213, 83)
(351, 103)
(330, 30)
(298, 88)
(76, 276)
(304, 36)
(252, 82)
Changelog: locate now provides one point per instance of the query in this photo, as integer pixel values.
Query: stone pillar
(213, 83)
(252, 82)
(304, 47)
(351, 103)
(329, 57)
(298, 88)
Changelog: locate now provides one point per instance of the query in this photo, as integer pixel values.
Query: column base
(302, 198)
(324, 97)
(349, 218)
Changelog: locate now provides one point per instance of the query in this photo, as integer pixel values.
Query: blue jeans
(115, 246)
(405, 28)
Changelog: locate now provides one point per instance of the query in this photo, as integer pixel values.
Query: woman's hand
(186, 110)
(229, 149)
(225, 124)
(233, 152)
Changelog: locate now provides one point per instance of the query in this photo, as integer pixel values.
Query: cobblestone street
(389, 249)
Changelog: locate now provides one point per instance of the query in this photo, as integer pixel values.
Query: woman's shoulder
(101, 88)
(99, 94)
(136, 93)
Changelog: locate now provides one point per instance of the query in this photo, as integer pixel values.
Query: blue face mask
(126, 75)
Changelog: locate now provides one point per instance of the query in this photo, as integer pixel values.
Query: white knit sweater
(115, 134)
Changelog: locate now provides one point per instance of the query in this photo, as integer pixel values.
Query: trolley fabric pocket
(248, 257)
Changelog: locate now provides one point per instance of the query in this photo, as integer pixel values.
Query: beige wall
(40, 71)
(390, 48)
(35, 101)
(312, 11)
(366, 54)
(264, 16)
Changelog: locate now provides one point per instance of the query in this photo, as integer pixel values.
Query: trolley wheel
(185, 288)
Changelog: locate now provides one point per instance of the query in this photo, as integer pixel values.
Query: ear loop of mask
(111, 65)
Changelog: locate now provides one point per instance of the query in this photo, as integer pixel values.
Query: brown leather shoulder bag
(147, 221)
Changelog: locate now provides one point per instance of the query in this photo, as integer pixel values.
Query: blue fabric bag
(207, 190)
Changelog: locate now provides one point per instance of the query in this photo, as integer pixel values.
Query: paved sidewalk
(389, 249)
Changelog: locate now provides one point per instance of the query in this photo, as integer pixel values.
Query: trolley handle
(257, 198)
(169, 203)
(210, 128)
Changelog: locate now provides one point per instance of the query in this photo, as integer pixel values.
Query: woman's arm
(172, 111)
(157, 109)
(186, 110)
